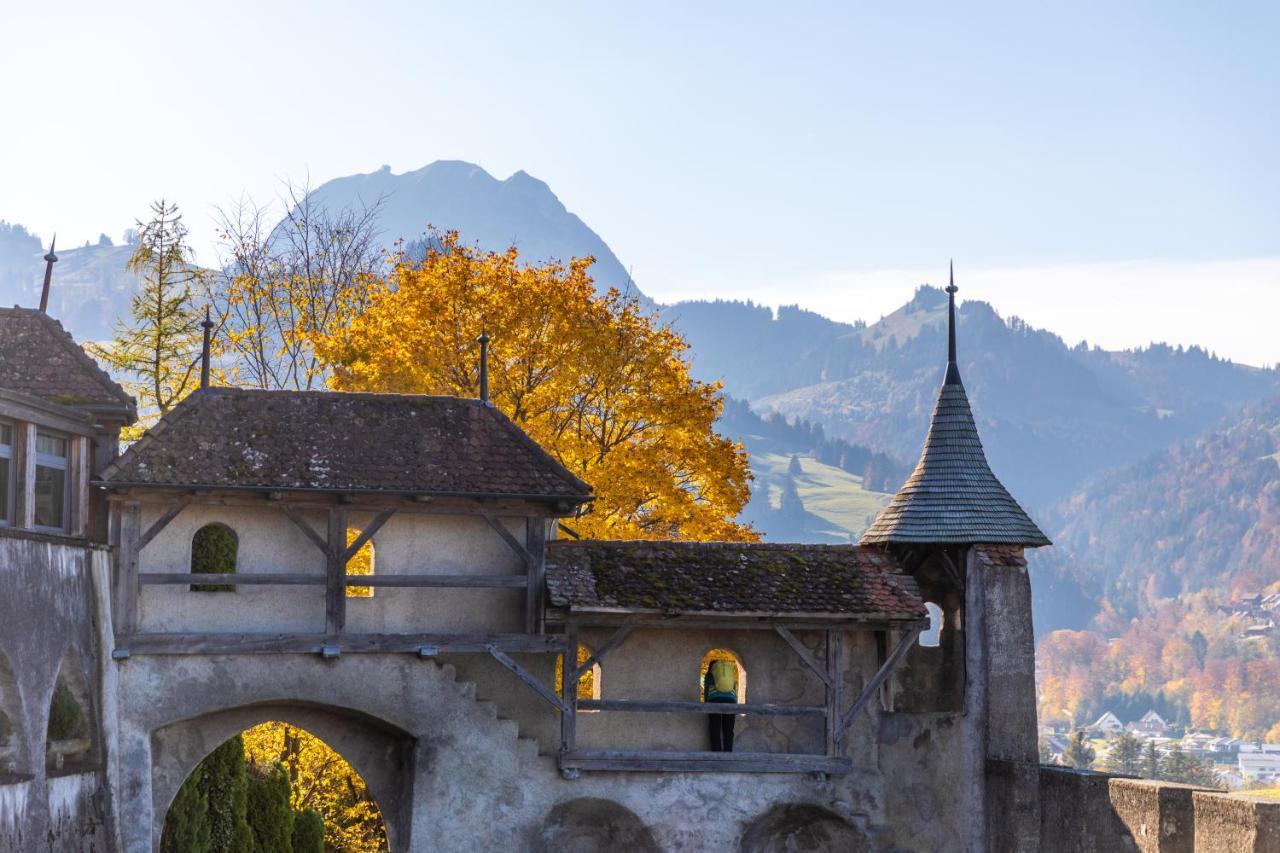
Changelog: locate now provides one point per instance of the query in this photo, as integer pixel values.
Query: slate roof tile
(237, 438)
(40, 358)
(721, 577)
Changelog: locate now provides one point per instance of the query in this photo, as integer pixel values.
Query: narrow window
(6, 474)
(213, 552)
(361, 563)
(51, 494)
(739, 689)
(588, 682)
(69, 735)
(931, 638)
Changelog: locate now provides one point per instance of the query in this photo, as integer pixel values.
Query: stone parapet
(1238, 824)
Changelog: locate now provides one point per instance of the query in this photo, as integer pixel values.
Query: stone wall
(52, 795)
(1083, 812)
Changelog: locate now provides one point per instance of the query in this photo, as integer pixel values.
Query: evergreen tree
(1150, 762)
(1079, 754)
(227, 787)
(1182, 766)
(157, 349)
(186, 825)
(793, 467)
(269, 813)
(1125, 756)
(308, 832)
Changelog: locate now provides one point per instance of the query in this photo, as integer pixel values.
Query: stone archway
(802, 828)
(592, 825)
(382, 754)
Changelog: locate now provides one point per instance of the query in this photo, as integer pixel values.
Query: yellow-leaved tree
(600, 384)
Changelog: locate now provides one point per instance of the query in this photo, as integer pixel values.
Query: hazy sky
(1107, 170)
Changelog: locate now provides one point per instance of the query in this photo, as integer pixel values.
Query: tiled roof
(40, 358)
(728, 578)
(952, 497)
(235, 438)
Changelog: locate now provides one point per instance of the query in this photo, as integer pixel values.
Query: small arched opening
(594, 824)
(704, 671)
(214, 549)
(589, 686)
(275, 786)
(13, 761)
(801, 826)
(69, 742)
(361, 563)
(931, 638)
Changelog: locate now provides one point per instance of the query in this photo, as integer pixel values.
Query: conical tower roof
(952, 497)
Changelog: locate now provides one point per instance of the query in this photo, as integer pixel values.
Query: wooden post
(835, 681)
(535, 538)
(569, 690)
(127, 574)
(26, 474)
(78, 523)
(335, 589)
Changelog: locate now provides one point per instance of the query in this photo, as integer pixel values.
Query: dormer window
(6, 474)
(52, 497)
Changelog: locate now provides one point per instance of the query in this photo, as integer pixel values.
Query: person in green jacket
(721, 685)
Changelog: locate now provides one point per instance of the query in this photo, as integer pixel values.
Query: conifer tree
(1125, 756)
(156, 350)
(227, 787)
(186, 825)
(308, 832)
(1079, 754)
(1150, 762)
(269, 813)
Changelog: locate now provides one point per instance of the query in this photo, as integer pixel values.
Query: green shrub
(6, 729)
(226, 784)
(308, 832)
(269, 813)
(213, 551)
(186, 824)
(67, 719)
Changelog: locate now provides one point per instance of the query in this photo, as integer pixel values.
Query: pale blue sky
(1080, 160)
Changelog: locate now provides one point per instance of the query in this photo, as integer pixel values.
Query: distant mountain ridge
(494, 214)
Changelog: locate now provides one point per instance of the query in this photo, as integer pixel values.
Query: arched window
(360, 564)
(588, 683)
(722, 654)
(11, 757)
(69, 735)
(931, 637)
(213, 552)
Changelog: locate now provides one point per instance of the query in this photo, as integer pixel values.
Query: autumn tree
(1079, 754)
(282, 283)
(156, 350)
(598, 383)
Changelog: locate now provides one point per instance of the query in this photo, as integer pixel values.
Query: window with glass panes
(51, 487)
(7, 475)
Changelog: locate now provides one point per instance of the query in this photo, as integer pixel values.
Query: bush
(67, 719)
(186, 824)
(213, 551)
(308, 832)
(269, 813)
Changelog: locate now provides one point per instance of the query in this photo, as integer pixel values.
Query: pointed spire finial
(207, 325)
(483, 340)
(953, 369)
(49, 260)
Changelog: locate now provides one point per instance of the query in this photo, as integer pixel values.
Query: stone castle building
(162, 599)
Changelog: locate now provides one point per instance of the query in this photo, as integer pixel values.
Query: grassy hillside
(837, 507)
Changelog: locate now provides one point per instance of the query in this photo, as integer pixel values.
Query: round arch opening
(275, 786)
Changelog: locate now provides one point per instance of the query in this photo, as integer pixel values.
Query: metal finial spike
(953, 370)
(49, 260)
(51, 257)
(483, 340)
(207, 325)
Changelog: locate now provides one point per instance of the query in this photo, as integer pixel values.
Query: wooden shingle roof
(952, 497)
(728, 578)
(39, 358)
(402, 444)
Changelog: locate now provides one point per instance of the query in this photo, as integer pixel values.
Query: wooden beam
(127, 576)
(529, 679)
(607, 646)
(819, 667)
(312, 578)
(306, 528)
(232, 579)
(665, 706)
(366, 534)
(438, 581)
(535, 535)
(868, 691)
(501, 530)
(251, 644)
(835, 689)
(25, 472)
(335, 610)
(704, 762)
(750, 622)
(569, 693)
(162, 522)
(516, 507)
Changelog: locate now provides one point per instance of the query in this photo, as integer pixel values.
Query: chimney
(207, 325)
(49, 260)
(483, 340)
